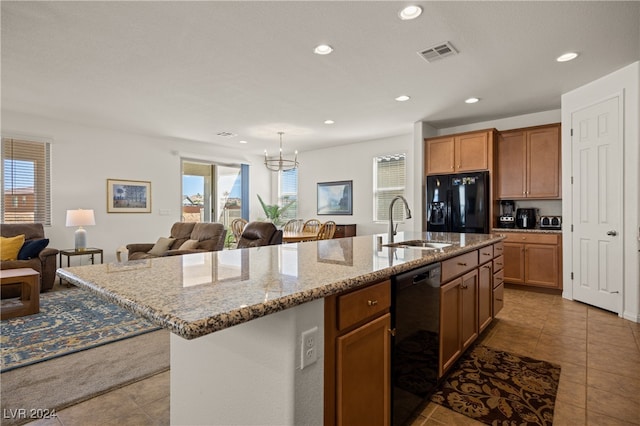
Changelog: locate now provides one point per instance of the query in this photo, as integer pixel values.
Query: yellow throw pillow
(10, 247)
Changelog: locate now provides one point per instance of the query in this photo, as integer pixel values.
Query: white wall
(627, 82)
(84, 157)
(355, 162)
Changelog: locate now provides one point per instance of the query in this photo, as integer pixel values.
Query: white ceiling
(190, 70)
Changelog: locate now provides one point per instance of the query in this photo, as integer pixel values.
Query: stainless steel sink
(419, 244)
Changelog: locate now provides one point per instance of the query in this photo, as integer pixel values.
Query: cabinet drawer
(485, 254)
(531, 238)
(459, 265)
(498, 249)
(362, 304)
(498, 278)
(498, 299)
(498, 263)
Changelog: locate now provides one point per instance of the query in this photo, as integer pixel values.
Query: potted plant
(273, 211)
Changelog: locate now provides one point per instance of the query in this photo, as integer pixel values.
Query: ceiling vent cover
(226, 134)
(439, 51)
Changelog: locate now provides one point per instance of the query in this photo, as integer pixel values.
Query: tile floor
(599, 354)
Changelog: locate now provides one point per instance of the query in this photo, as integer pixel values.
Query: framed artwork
(335, 198)
(128, 196)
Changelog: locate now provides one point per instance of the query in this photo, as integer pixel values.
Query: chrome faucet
(392, 230)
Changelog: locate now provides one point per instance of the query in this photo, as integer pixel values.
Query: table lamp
(80, 218)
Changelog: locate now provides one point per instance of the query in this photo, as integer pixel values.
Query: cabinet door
(469, 309)
(543, 163)
(512, 154)
(541, 265)
(363, 369)
(471, 152)
(450, 327)
(514, 263)
(439, 155)
(485, 295)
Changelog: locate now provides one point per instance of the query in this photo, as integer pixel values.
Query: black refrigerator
(458, 203)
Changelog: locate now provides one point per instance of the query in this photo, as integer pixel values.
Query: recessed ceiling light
(329, 121)
(410, 12)
(402, 98)
(472, 100)
(323, 49)
(242, 141)
(567, 57)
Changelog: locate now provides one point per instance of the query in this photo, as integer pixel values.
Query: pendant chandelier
(280, 164)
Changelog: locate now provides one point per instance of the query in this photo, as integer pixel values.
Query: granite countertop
(535, 230)
(197, 294)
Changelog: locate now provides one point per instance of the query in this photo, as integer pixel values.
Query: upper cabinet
(463, 152)
(529, 163)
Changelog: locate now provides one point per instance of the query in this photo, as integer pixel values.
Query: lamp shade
(80, 217)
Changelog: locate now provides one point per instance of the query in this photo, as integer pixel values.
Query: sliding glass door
(214, 192)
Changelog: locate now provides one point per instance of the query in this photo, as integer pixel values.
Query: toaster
(550, 222)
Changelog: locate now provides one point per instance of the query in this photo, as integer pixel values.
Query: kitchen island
(236, 317)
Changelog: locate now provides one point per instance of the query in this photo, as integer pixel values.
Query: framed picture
(335, 197)
(128, 196)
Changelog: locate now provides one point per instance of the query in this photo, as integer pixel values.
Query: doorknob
(612, 233)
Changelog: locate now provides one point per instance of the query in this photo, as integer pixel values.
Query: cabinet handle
(462, 264)
(463, 286)
(487, 267)
(392, 331)
(499, 300)
(372, 302)
(486, 254)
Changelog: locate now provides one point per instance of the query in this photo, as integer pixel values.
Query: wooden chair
(237, 226)
(311, 225)
(294, 225)
(327, 230)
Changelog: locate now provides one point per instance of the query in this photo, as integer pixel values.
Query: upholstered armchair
(256, 234)
(185, 238)
(45, 262)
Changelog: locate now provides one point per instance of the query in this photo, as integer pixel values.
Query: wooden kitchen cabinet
(529, 163)
(458, 318)
(358, 356)
(485, 295)
(343, 231)
(533, 259)
(498, 278)
(464, 152)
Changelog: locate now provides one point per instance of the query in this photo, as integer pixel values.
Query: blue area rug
(69, 321)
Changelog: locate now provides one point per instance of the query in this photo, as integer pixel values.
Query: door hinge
(571, 180)
(572, 275)
(571, 227)
(571, 132)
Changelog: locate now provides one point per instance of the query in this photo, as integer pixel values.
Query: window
(214, 192)
(26, 181)
(388, 181)
(288, 192)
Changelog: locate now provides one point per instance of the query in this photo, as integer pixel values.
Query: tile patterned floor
(599, 354)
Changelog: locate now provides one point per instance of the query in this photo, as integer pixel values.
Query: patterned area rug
(69, 321)
(500, 388)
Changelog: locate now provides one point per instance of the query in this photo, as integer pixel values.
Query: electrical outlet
(308, 350)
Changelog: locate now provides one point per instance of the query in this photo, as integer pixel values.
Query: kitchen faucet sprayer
(392, 231)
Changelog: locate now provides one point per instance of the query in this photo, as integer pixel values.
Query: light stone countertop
(197, 294)
(533, 230)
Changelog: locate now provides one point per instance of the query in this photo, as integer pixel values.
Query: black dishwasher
(416, 321)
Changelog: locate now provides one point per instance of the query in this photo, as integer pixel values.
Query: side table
(91, 251)
(29, 302)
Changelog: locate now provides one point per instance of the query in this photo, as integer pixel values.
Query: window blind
(26, 181)
(389, 182)
(288, 192)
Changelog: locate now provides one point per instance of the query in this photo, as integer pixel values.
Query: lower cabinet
(458, 318)
(358, 357)
(533, 259)
(485, 295)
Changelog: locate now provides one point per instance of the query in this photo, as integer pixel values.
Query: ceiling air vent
(226, 134)
(439, 51)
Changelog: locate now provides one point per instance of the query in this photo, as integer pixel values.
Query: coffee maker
(506, 218)
(526, 218)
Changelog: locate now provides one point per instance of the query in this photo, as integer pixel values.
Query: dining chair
(311, 225)
(294, 225)
(327, 230)
(237, 226)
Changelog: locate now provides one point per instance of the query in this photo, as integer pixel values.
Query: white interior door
(596, 148)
